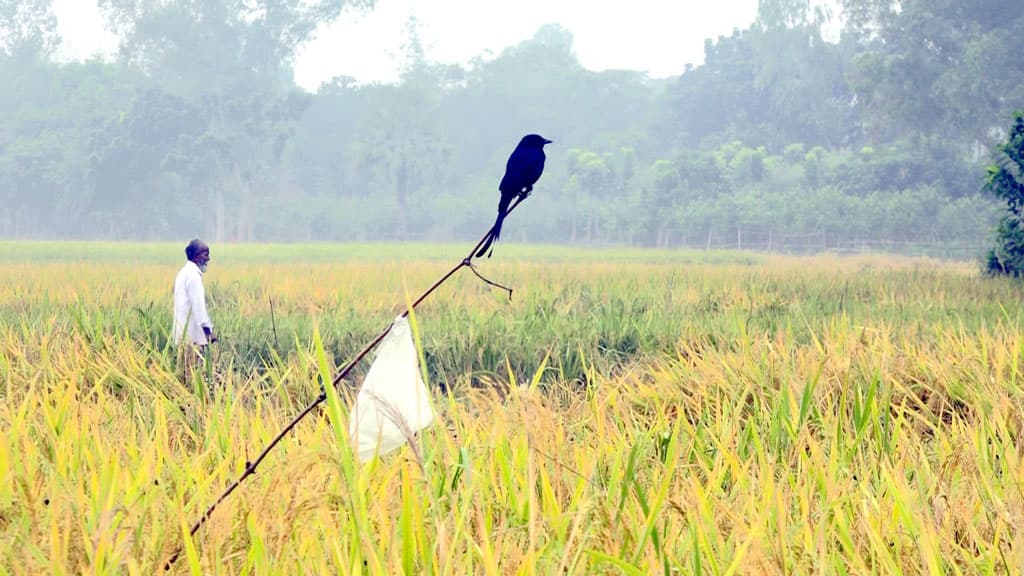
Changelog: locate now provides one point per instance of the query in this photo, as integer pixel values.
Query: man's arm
(197, 297)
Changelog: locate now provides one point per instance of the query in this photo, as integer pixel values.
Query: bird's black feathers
(523, 169)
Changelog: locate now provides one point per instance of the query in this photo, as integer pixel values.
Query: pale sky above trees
(657, 36)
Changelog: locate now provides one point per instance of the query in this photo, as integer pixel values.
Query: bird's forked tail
(496, 229)
(492, 237)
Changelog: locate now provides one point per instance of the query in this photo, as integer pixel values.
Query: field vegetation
(628, 412)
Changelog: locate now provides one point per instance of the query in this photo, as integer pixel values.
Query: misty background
(862, 125)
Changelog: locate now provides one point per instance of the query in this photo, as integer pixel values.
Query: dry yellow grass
(790, 416)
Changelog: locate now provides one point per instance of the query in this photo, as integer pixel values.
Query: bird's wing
(534, 169)
(523, 169)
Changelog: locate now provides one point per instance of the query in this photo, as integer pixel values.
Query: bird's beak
(546, 141)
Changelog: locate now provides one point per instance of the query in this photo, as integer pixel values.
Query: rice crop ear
(882, 439)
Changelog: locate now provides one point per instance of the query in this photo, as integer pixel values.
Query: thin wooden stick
(250, 467)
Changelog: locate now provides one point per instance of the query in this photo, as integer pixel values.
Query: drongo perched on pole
(522, 171)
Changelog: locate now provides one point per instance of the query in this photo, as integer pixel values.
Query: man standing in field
(191, 320)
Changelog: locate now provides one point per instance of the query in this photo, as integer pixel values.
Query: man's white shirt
(190, 305)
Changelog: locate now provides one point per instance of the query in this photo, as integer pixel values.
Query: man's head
(197, 251)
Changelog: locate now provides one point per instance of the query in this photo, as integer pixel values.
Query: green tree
(946, 67)
(28, 29)
(233, 57)
(139, 165)
(1006, 181)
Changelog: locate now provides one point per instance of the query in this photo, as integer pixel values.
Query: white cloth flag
(393, 403)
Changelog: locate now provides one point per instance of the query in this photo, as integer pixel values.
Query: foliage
(943, 67)
(1006, 182)
(196, 128)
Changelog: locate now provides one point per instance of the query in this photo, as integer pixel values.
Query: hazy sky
(658, 36)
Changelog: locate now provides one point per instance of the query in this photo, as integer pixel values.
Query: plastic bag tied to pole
(393, 404)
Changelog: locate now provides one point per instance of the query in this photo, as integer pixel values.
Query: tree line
(196, 127)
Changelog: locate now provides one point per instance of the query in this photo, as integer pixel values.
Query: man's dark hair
(192, 250)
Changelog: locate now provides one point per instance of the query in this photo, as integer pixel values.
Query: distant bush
(1006, 181)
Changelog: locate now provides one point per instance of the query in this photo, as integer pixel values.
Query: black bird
(522, 171)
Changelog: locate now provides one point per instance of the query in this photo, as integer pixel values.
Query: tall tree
(28, 29)
(233, 57)
(946, 67)
(1006, 181)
